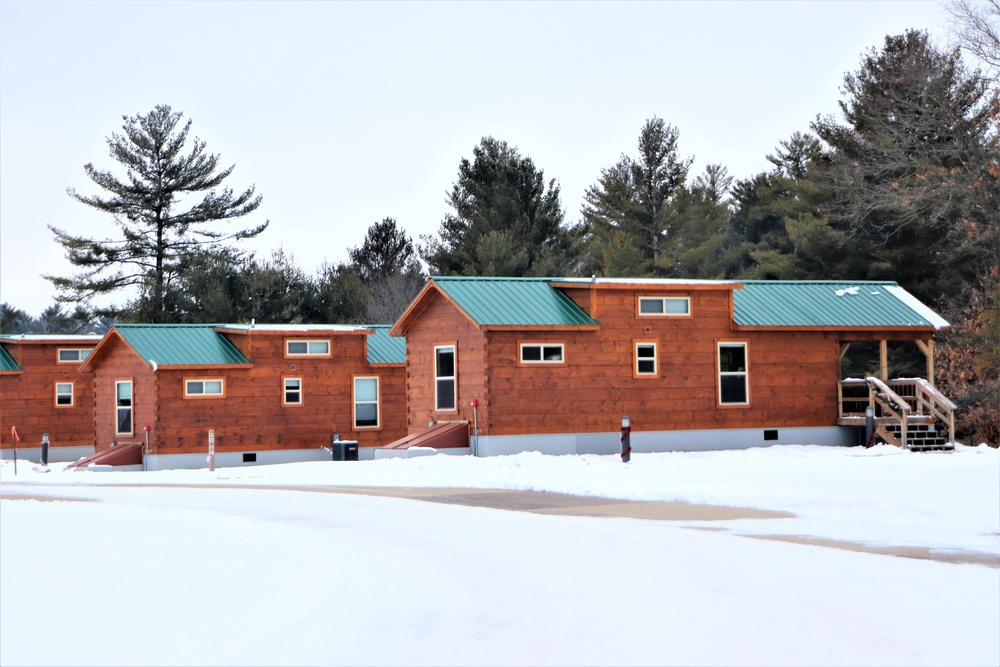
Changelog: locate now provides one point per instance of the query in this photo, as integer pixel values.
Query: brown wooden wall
(118, 362)
(792, 375)
(442, 324)
(251, 415)
(27, 399)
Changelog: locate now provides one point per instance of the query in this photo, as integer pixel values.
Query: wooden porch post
(883, 349)
(927, 347)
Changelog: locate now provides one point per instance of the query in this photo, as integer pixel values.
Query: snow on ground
(172, 574)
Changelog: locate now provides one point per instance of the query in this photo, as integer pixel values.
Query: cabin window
(733, 374)
(64, 394)
(204, 388)
(444, 377)
(366, 410)
(537, 353)
(307, 348)
(123, 407)
(292, 391)
(664, 306)
(72, 355)
(646, 360)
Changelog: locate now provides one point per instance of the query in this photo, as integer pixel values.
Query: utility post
(626, 439)
(211, 449)
(475, 427)
(16, 438)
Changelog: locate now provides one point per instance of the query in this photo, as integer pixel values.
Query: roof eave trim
(184, 367)
(98, 351)
(541, 327)
(648, 286)
(832, 327)
(420, 303)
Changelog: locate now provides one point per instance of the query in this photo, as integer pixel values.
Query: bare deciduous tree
(976, 26)
(391, 296)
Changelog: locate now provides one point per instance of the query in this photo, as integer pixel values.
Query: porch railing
(895, 402)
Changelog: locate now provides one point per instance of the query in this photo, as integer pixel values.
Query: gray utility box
(344, 450)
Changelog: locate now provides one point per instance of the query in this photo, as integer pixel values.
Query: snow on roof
(53, 338)
(667, 282)
(918, 307)
(292, 328)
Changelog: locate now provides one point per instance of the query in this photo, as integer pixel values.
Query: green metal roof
(830, 304)
(384, 349)
(513, 302)
(181, 344)
(7, 362)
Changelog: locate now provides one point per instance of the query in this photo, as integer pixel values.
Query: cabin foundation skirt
(666, 441)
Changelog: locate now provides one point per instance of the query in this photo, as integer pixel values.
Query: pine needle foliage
(166, 211)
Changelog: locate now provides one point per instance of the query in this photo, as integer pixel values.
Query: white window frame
(745, 373)
(637, 359)
(286, 389)
(663, 301)
(204, 393)
(62, 394)
(377, 402)
(130, 407)
(314, 347)
(78, 354)
(453, 378)
(542, 347)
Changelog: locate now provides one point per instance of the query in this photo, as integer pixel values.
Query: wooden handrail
(887, 397)
(887, 391)
(938, 396)
(947, 415)
(925, 400)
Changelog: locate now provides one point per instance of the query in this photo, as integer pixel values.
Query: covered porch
(889, 399)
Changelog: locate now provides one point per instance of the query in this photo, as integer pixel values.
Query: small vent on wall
(771, 434)
(251, 457)
(648, 329)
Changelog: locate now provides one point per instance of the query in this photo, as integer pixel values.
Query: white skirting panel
(666, 441)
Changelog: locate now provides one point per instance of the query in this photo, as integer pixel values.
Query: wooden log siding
(792, 374)
(443, 324)
(27, 398)
(119, 363)
(251, 416)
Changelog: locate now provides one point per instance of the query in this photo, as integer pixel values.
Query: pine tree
(343, 297)
(387, 264)
(914, 163)
(506, 220)
(635, 196)
(158, 231)
(386, 251)
(701, 226)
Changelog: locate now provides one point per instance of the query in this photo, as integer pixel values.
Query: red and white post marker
(626, 440)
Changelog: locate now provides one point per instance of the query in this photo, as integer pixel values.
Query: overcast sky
(345, 113)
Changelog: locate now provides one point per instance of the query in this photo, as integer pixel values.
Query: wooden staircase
(908, 412)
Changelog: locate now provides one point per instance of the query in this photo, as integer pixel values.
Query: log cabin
(491, 366)
(266, 393)
(560, 365)
(44, 394)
